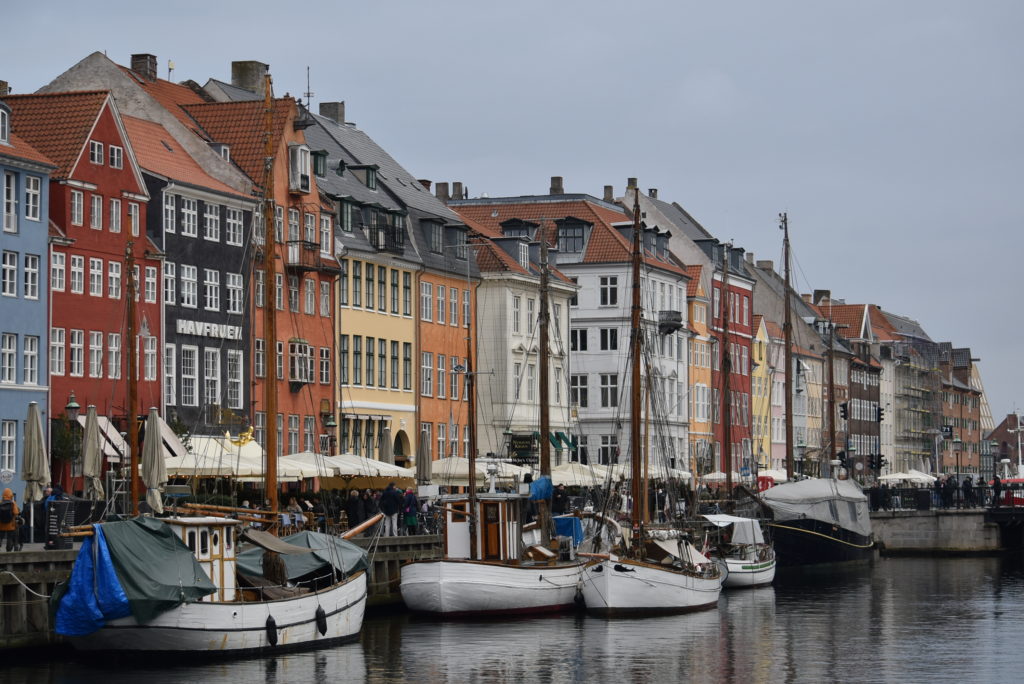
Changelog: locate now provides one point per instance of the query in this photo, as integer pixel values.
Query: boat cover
(327, 551)
(541, 488)
(569, 526)
(136, 567)
(744, 531)
(838, 502)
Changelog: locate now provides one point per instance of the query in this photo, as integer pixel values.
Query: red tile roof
(56, 124)
(171, 96)
(241, 125)
(490, 257)
(22, 150)
(850, 315)
(693, 285)
(774, 330)
(159, 153)
(880, 325)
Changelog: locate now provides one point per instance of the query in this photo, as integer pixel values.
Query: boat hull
(813, 542)
(748, 573)
(622, 587)
(236, 628)
(466, 588)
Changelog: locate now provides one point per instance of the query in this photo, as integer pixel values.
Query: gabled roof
(906, 327)
(171, 96)
(491, 257)
(57, 125)
(880, 326)
(774, 330)
(849, 315)
(158, 152)
(20, 149)
(241, 125)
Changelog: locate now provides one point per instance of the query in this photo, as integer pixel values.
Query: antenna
(170, 68)
(309, 93)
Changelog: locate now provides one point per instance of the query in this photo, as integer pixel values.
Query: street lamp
(72, 408)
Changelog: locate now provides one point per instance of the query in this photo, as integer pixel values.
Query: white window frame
(76, 354)
(8, 444)
(170, 213)
(115, 215)
(77, 207)
(8, 358)
(10, 207)
(233, 226)
(170, 283)
(234, 288)
(96, 152)
(116, 157)
(211, 376)
(234, 378)
(95, 354)
(189, 286)
(133, 218)
(150, 285)
(96, 212)
(77, 274)
(211, 222)
(427, 374)
(96, 273)
(58, 261)
(33, 197)
(211, 289)
(9, 274)
(114, 279)
(170, 375)
(30, 360)
(189, 217)
(57, 349)
(189, 375)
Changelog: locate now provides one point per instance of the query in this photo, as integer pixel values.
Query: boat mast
(831, 394)
(726, 355)
(269, 308)
(636, 342)
(787, 344)
(543, 505)
(471, 456)
(133, 378)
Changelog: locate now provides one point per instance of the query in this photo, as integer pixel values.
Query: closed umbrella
(154, 471)
(36, 468)
(92, 456)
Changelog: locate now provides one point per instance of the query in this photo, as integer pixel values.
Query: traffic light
(844, 413)
(879, 414)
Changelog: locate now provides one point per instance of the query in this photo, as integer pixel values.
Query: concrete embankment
(936, 532)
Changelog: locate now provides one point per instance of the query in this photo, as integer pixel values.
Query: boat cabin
(497, 530)
(212, 541)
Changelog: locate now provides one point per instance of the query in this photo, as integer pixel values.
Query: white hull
(747, 573)
(235, 627)
(616, 585)
(457, 587)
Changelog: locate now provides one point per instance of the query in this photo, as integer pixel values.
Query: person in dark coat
(948, 492)
(968, 488)
(354, 509)
(559, 500)
(883, 494)
(410, 511)
(390, 505)
(997, 488)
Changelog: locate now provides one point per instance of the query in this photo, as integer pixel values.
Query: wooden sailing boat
(485, 569)
(189, 566)
(643, 575)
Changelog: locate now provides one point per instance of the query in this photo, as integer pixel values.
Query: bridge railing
(930, 498)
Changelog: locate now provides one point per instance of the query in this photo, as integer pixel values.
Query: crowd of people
(944, 493)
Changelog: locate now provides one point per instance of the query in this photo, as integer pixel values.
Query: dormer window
(367, 173)
(320, 163)
(524, 255)
(371, 178)
(222, 149)
(571, 234)
(436, 236)
(518, 228)
(5, 126)
(459, 243)
(299, 168)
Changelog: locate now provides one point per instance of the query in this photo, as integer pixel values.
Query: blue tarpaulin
(94, 594)
(540, 488)
(570, 526)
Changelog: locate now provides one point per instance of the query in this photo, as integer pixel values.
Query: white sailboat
(644, 575)
(749, 559)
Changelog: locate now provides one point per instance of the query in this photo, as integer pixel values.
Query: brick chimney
(425, 183)
(249, 75)
(822, 297)
(766, 265)
(145, 66)
(749, 256)
(457, 190)
(556, 186)
(630, 183)
(335, 111)
(652, 193)
(441, 191)
(5, 88)
(609, 193)
(808, 299)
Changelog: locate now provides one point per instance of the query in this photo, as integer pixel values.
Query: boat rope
(819, 534)
(18, 580)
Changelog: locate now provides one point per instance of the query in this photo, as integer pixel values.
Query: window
(370, 270)
(382, 363)
(149, 346)
(310, 292)
(189, 287)
(326, 235)
(32, 194)
(578, 339)
(96, 277)
(278, 224)
(578, 393)
(260, 358)
(234, 286)
(96, 152)
(170, 375)
(454, 389)
(5, 126)
(189, 217)
(343, 359)
(346, 216)
(95, 354)
(293, 293)
(10, 202)
(441, 379)
(343, 284)
(211, 289)
(406, 294)
(56, 351)
(9, 275)
(57, 261)
(170, 224)
(370, 348)
(357, 360)
(425, 436)
(8, 357)
(211, 222)
(570, 238)
(309, 433)
(609, 452)
(325, 366)
(298, 168)
(382, 289)
(211, 377)
(427, 375)
(31, 276)
(116, 157)
(517, 373)
(394, 291)
(531, 382)
(441, 441)
(436, 237)
(516, 313)
(357, 283)
(8, 440)
(30, 356)
(114, 356)
(96, 213)
(407, 365)
(189, 375)
(293, 434)
(77, 356)
(150, 288)
(279, 291)
(309, 221)
(609, 390)
(609, 290)
(77, 274)
(394, 365)
(440, 304)
(133, 218)
(426, 301)
(232, 226)
(299, 360)
(609, 339)
(77, 207)
(465, 308)
(530, 316)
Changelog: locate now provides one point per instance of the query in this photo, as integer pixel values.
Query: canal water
(902, 620)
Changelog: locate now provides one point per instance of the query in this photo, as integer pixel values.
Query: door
(492, 531)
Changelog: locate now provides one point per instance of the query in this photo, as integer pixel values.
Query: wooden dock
(24, 614)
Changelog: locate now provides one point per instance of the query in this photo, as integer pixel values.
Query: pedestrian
(9, 520)
(559, 500)
(410, 511)
(997, 487)
(937, 493)
(883, 493)
(968, 488)
(947, 492)
(390, 505)
(354, 509)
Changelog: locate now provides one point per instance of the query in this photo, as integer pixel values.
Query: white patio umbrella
(36, 467)
(575, 474)
(92, 455)
(154, 470)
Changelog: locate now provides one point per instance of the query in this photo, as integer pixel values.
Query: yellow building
(701, 392)
(760, 396)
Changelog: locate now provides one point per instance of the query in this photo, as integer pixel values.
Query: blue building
(24, 292)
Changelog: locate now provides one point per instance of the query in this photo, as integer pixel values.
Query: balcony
(387, 238)
(669, 322)
(303, 256)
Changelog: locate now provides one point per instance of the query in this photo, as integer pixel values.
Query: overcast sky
(889, 131)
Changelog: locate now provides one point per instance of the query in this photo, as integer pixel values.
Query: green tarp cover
(328, 550)
(156, 570)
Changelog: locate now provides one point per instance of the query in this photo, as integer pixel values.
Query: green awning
(565, 440)
(553, 438)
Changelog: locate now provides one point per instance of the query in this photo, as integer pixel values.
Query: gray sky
(889, 131)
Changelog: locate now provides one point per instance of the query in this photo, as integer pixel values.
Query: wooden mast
(133, 379)
(831, 394)
(635, 346)
(726, 357)
(269, 308)
(471, 456)
(787, 344)
(544, 521)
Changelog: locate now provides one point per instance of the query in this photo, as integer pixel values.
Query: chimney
(766, 265)
(652, 193)
(249, 75)
(5, 88)
(808, 299)
(145, 66)
(457, 190)
(335, 111)
(425, 183)
(441, 190)
(556, 186)
(630, 183)
(823, 297)
(749, 256)
(609, 194)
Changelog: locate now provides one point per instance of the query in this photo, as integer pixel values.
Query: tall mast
(636, 342)
(133, 378)
(787, 344)
(726, 373)
(269, 305)
(831, 393)
(471, 456)
(543, 505)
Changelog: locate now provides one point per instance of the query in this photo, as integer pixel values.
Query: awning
(172, 445)
(745, 530)
(565, 440)
(114, 446)
(555, 442)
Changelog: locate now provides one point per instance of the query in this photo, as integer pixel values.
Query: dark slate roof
(962, 357)
(906, 326)
(681, 219)
(319, 137)
(232, 92)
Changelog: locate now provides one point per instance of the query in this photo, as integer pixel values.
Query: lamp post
(72, 410)
(957, 444)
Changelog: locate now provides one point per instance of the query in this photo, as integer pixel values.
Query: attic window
(371, 178)
(524, 255)
(5, 126)
(436, 234)
(570, 237)
(298, 168)
(320, 163)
